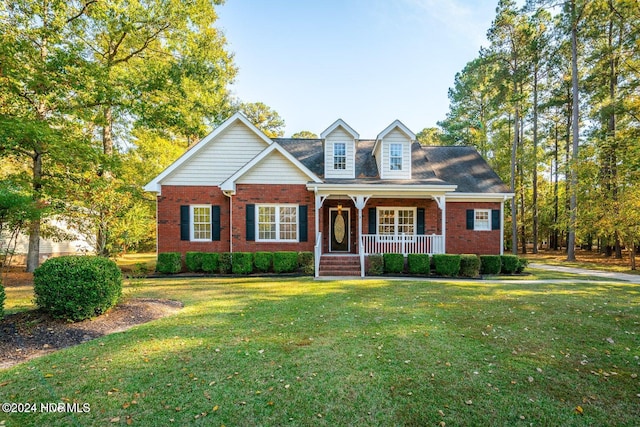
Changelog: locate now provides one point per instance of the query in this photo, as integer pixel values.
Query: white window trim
(401, 156)
(335, 144)
(277, 206)
(395, 221)
(479, 226)
(192, 223)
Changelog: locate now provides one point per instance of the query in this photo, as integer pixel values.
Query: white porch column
(442, 204)
(360, 202)
(318, 238)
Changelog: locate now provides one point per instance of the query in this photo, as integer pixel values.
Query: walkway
(632, 278)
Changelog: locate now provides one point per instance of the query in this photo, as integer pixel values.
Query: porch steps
(335, 265)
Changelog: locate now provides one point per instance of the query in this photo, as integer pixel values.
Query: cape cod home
(339, 196)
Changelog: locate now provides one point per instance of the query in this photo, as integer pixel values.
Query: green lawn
(303, 352)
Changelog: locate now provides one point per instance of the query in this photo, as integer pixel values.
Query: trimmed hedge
(419, 263)
(306, 263)
(446, 264)
(469, 265)
(509, 264)
(224, 263)
(263, 261)
(77, 287)
(490, 264)
(210, 262)
(242, 263)
(393, 263)
(376, 265)
(2, 298)
(285, 262)
(169, 262)
(193, 260)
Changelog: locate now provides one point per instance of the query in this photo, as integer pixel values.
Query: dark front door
(340, 230)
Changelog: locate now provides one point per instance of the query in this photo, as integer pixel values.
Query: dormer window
(339, 156)
(395, 157)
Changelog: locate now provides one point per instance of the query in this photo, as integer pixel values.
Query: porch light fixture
(340, 210)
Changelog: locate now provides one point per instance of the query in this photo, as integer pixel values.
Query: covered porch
(361, 220)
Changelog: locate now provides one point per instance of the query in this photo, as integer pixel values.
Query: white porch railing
(402, 244)
(318, 253)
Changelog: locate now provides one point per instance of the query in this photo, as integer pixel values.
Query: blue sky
(367, 62)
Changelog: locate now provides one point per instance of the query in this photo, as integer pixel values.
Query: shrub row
(465, 265)
(241, 263)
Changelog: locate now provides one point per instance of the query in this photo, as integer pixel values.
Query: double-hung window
(395, 157)
(396, 221)
(277, 223)
(339, 156)
(201, 222)
(482, 219)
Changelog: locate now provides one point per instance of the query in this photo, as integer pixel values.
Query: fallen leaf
(579, 410)
(115, 420)
(469, 402)
(215, 408)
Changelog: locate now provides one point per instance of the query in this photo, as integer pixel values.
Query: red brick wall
(271, 193)
(169, 218)
(463, 241)
(174, 196)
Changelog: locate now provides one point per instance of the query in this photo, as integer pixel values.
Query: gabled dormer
(339, 150)
(392, 151)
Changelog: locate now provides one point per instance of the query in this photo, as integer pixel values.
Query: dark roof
(437, 165)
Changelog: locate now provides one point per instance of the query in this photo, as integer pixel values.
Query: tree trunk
(33, 254)
(573, 201)
(534, 202)
(632, 256)
(556, 233)
(514, 148)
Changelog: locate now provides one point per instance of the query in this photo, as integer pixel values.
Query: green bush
(393, 263)
(2, 298)
(263, 261)
(376, 265)
(522, 263)
(285, 262)
(419, 263)
(490, 264)
(193, 261)
(509, 264)
(224, 263)
(77, 287)
(446, 264)
(169, 262)
(306, 263)
(242, 263)
(469, 265)
(210, 262)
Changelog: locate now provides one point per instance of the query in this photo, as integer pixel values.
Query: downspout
(229, 194)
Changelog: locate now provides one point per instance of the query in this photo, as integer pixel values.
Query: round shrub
(224, 263)
(77, 287)
(242, 263)
(2, 298)
(490, 264)
(210, 262)
(446, 264)
(376, 265)
(419, 263)
(193, 260)
(306, 263)
(469, 265)
(393, 263)
(263, 261)
(509, 264)
(169, 262)
(285, 262)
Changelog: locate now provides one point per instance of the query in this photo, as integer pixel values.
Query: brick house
(339, 196)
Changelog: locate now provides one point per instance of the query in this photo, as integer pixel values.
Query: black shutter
(251, 222)
(215, 223)
(372, 220)
(302, 212)
(470, 219)
(495, 219)
(185, 228)
(420, 221)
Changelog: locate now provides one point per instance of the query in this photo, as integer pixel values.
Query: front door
(340, 230)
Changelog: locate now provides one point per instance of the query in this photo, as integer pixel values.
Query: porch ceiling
(388, 190)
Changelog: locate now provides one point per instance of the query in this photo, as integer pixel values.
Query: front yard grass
(256, 351)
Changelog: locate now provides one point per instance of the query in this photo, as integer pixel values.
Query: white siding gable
(221, 158)
(339, 135)
(274, 169)
(383, 155)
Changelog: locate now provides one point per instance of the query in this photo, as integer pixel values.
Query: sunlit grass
(375, 352)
